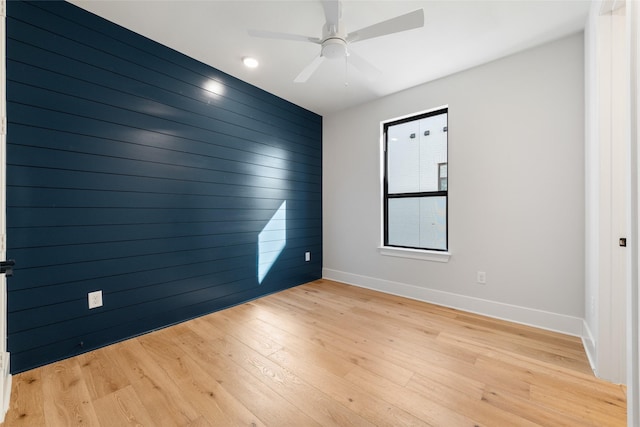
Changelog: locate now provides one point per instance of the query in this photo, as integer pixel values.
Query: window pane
(433, 150)
(418, 222)
(414, 151)
(433, 222)
(404, 222)
(403, 158)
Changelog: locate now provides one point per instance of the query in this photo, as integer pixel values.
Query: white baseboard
(527, 316)
(5, 386)
(589, 345)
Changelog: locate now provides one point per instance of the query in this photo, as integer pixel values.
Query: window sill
(423, 255)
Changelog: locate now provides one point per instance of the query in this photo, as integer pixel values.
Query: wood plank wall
(128, 173)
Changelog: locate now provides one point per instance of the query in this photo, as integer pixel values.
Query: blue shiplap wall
(127, 174)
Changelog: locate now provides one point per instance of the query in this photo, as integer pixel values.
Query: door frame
(5, 376)
(633, 294)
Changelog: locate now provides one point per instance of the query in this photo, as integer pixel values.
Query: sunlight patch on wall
(271, 241)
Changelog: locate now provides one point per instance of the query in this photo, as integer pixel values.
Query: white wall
(516, 190)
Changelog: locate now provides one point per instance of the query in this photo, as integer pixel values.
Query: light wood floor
(325, 354)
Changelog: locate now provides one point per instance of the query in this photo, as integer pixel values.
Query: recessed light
(250, 62)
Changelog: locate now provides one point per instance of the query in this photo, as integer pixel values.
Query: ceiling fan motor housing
(334, 47)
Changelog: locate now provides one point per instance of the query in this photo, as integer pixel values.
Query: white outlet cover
(95, 299)
(482, 277)
(307, 256)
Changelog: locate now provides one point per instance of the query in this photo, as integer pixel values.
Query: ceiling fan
(335, 42)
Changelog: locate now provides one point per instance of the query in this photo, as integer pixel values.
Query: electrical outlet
(481, 277)
(95, 299)
(307, 256)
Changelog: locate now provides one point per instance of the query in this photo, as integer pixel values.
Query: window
(416, 182)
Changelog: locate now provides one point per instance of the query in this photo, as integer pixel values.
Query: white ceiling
(457, 35)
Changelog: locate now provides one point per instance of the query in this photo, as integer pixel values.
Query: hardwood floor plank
(515, 345)
(325, 354)
(476, 409)
(530, 410)
(367, 405)
(101, 375)
(27, 402)
(157, 391)
(561, 343)
(316, 404)
(394, 302)
(122, 408)
(260, 342)
(592, 411)
(66, 399)
(304, 323)
(254, 395)
(466, 381)
(361, 355)
(316, 355)
(386, 347)
(201, 422)
(199, 386)
(453, 319)
(535, 371)
(407, 399)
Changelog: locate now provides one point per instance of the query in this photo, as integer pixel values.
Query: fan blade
(332, 12)
(309, 69)
(282, 36)
(400, 23)
(370, 72)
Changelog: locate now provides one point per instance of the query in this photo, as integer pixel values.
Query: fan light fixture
(250, 62)
(334, 48)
